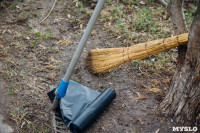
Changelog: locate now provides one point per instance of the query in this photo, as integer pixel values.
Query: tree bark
(177, 16)
(183, 99)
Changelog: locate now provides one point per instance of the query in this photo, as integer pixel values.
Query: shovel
(81, 113)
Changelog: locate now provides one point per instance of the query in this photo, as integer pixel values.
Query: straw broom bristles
(103, 60)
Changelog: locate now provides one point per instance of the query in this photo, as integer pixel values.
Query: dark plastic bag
(82, 105)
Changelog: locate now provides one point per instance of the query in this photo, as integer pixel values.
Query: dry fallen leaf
(166, 87)
(140, 120)
(153, 90)
(54, 61)
(146, 87)
(140, 97)
(155, 82)
(166, 80)
(65, 41)
(165, 17)
(142, 2)
(51, 67)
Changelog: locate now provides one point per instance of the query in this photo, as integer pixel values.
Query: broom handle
(83, 40)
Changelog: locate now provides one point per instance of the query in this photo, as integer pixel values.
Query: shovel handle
(80, 47)
(83, 40)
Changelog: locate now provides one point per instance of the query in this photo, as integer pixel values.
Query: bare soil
(6, 123)
(34, 57)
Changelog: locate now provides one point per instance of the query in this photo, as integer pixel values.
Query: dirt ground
(34, 57)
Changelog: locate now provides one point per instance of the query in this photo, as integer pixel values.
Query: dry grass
(28, 50)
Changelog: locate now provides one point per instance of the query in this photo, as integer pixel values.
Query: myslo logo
(186, 129)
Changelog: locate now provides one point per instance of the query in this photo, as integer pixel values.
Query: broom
(104, 60)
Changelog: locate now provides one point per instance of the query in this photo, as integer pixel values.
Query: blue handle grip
(62, 89)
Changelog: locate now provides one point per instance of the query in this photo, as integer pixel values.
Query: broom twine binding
(146, 49)
(128, 54)
(164, 44)
(126, 59)
(123, 55)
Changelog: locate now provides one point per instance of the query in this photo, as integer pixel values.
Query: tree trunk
(177, 16)
(183, 99)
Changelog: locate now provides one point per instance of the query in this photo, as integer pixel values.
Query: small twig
(107, 76)
(49, 12)
(158, 130)
(162, 2)
(141, 71)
